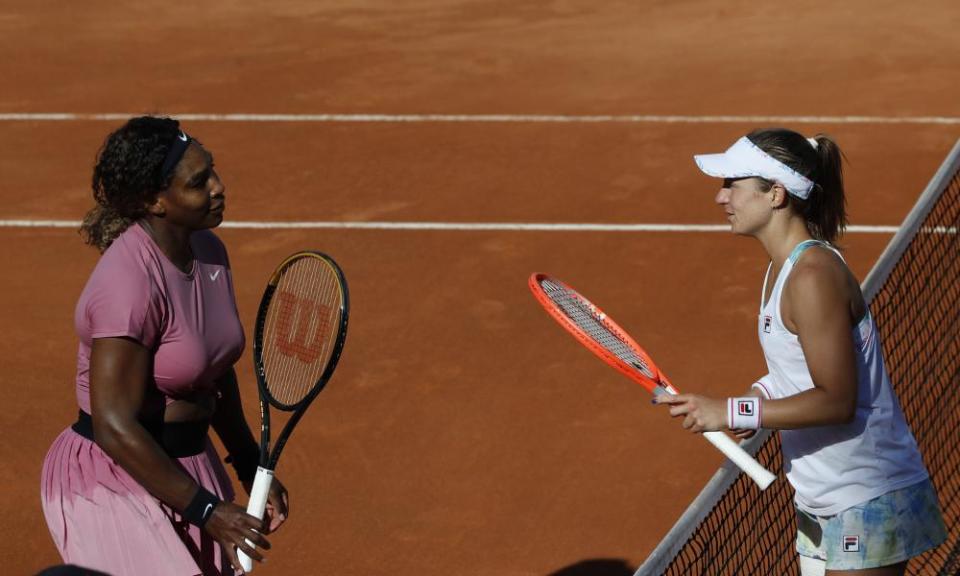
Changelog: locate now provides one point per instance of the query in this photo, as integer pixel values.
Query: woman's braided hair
(127, 177)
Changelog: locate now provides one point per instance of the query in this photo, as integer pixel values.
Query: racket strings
(300, 329)
(585, 316)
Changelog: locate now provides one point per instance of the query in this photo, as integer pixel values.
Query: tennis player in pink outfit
(135, 487)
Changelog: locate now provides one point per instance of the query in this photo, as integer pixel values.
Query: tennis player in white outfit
(864, 501)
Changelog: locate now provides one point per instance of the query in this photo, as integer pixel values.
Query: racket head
(300, 330)
(598, 332)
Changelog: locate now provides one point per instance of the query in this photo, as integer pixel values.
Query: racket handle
(741, 458)
(255, 507)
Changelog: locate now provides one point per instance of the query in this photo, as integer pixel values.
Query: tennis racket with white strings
(602, 336)
(299, 335)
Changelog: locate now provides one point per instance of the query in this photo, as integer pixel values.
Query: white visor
(745, 159)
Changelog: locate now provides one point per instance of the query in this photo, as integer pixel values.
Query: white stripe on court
(488, 118)
(455, 226)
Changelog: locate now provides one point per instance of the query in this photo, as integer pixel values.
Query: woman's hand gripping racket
(299, 335)
(613, 345)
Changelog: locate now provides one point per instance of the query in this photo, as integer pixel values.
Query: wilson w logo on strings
(301, 326)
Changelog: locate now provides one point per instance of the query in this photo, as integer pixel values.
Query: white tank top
(833, 468)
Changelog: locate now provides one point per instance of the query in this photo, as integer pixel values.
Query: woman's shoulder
(128, 261)
(124, 295)
(820, 273)
(820, 259)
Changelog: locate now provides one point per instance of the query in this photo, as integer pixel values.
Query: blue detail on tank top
(801, 247)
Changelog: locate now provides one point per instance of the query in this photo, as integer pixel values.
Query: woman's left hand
(701, 414)
(278, 505)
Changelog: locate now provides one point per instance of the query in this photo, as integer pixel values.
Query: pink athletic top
(189, 320)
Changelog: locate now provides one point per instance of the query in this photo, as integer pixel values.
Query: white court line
(455, 226)
(489, 118)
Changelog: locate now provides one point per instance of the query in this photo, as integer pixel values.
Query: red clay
(463, 432)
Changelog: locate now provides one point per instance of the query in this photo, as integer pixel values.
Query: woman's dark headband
(175, 153)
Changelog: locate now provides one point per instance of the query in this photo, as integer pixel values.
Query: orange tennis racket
(611, 343)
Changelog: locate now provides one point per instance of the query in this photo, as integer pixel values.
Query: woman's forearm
(810, 408)
(130, 445)
(229, 421)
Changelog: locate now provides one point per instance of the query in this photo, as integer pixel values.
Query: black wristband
(200, 509)
(245, 463)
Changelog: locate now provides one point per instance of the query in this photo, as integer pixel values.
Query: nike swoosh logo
(183, 136)
(207, 510)
(214, 275)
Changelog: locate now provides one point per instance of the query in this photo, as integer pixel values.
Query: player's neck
(780, 238)
(173, 241)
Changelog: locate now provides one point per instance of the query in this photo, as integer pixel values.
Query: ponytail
(825, 209)
(102, 225)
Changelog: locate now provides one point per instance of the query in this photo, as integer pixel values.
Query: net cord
(908, 230)
(671, 544)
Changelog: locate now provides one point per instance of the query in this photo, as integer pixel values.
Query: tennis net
(731, 528)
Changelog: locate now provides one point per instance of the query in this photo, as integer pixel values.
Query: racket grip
(741, 458)
(256, 506)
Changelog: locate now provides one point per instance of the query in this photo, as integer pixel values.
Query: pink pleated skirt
(101, 518)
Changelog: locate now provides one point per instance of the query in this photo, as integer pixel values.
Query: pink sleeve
(123, 301)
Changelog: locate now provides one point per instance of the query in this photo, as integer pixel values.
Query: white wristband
(744, 413)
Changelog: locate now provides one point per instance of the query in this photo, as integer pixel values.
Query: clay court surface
(463, 433)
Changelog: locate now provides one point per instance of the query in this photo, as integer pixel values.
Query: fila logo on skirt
(851, 543)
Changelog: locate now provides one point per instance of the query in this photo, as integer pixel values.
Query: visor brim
(722, 166)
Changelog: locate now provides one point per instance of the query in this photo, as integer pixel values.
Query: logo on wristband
(744, 413)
